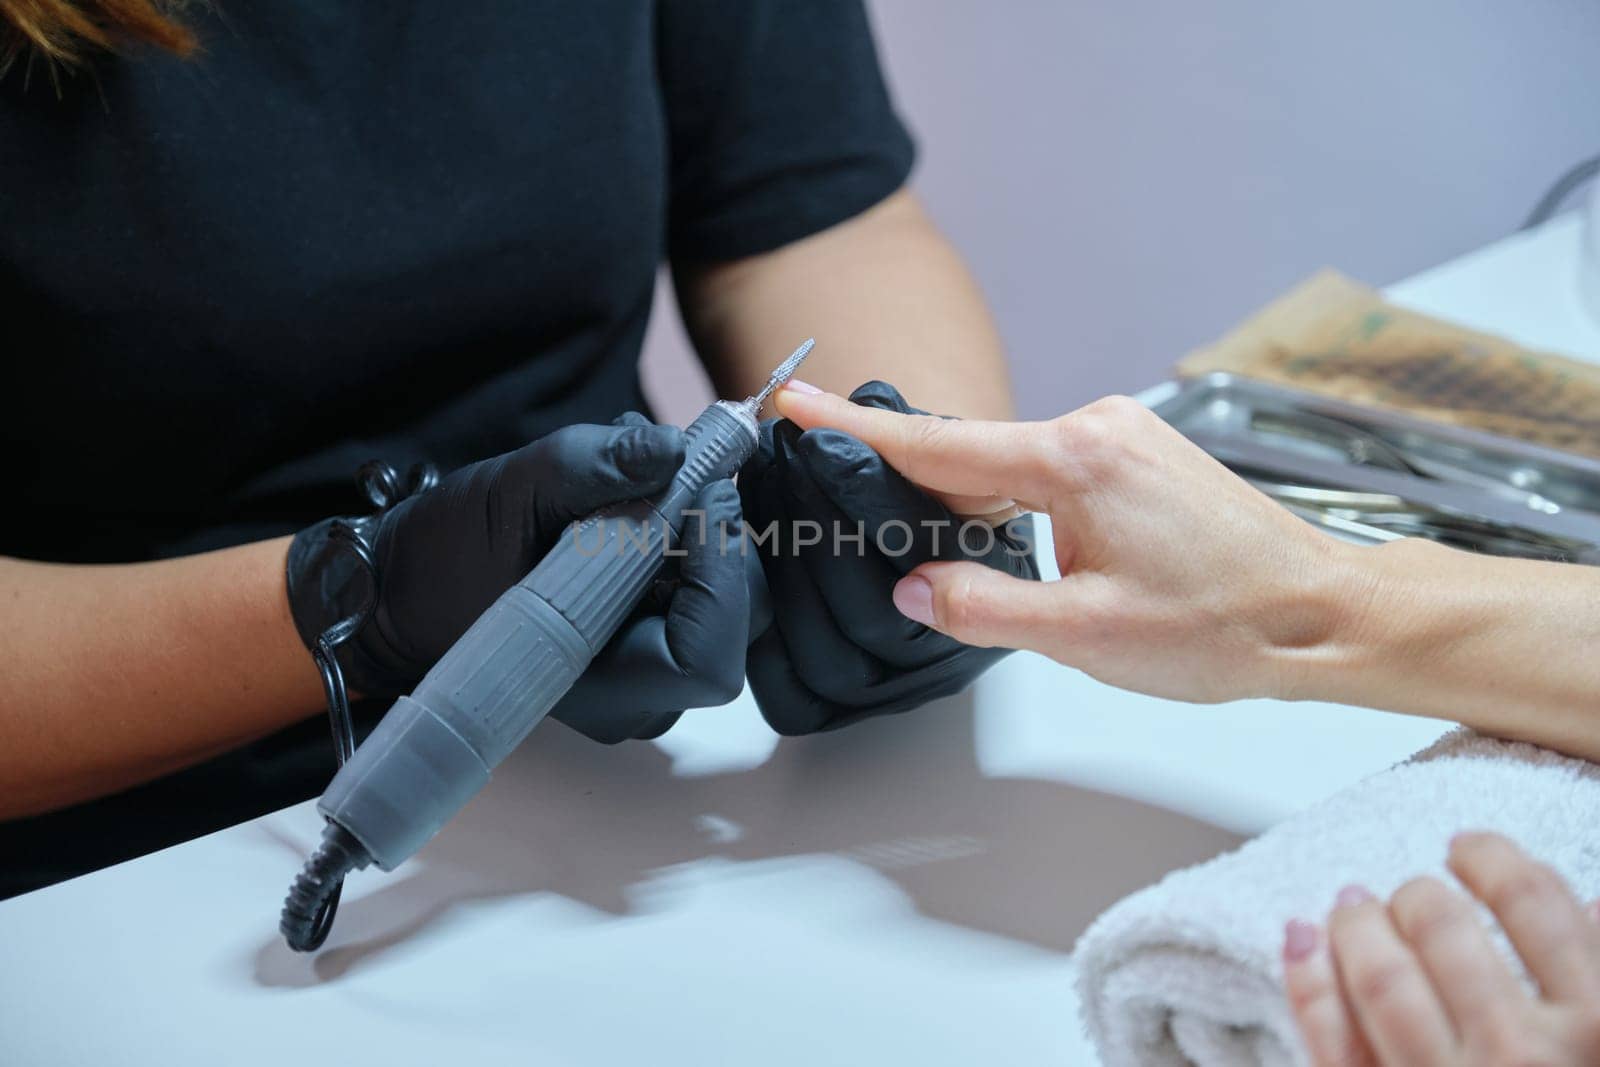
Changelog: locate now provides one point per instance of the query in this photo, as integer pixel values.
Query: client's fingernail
(1594, 910)
(1351, 895)
(1299, 940)
(913, 595)
(1472, 839)
(795, 385)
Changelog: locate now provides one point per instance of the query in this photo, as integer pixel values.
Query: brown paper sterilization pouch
(1335, 336)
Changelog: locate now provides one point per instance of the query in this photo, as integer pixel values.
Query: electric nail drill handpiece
(434, 749)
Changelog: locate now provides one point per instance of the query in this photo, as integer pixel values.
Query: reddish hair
(64, 31)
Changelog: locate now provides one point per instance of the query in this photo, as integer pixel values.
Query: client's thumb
(978, 605)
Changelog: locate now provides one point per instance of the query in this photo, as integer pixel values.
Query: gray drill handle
(434, 749)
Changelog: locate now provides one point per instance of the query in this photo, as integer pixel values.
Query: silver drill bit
(785, 369)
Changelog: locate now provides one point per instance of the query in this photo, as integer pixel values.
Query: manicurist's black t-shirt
(411, 231)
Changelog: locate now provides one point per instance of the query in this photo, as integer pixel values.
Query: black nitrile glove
(444, 555)
(839, 650)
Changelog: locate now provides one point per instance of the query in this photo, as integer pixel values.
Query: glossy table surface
(904, 891)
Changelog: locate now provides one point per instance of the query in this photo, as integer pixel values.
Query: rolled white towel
(1189, 971)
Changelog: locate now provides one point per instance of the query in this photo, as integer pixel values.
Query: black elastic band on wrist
(309, 911)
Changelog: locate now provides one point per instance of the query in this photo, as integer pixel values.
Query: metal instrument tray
(1370, 474)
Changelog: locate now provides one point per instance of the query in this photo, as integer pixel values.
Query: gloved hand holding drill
(445, 554)
(838, 650)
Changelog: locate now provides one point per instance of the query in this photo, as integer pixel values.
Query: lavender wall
(1128, 179)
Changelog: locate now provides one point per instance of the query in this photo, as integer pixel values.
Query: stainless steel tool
(1370, 474)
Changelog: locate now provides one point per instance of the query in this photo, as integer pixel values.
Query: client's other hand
(1417, 982)
(1179, 579)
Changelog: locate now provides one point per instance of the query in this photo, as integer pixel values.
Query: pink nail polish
(795, 385)
(914, 597)
(1351, 895)
(1299, 940)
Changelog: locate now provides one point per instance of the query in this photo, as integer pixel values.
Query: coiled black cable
(313, 900)
(1564, 187)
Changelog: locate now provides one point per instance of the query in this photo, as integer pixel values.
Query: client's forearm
(113, 675)
(1508, 647)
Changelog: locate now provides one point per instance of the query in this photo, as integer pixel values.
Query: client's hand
(1418, 983)
(1180, 579)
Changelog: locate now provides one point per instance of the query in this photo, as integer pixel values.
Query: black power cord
(1564, 187)
(313, 900)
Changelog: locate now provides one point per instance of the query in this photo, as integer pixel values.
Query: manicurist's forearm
(111, 675)
(886, 297)
(1508, 647)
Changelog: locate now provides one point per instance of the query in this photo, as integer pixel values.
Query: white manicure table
(905, 891)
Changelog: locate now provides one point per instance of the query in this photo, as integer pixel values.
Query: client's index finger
(972, 458)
